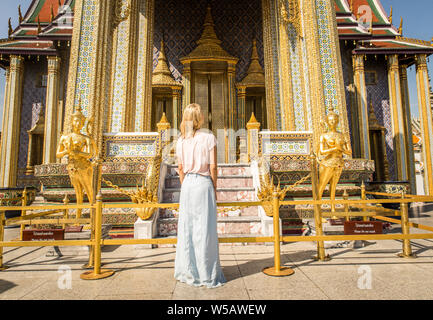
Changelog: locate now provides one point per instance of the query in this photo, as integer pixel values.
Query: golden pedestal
(283, 272)
(90, 275)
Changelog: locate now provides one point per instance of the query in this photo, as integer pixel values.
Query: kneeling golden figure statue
(80, 149)
(333, 146)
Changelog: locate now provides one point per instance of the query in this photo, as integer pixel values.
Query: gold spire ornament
(20, 15)
(10, 30)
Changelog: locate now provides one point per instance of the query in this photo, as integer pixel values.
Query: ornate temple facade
(288, 62)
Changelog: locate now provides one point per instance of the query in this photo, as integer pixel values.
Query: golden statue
(332, 147)
(80, 149)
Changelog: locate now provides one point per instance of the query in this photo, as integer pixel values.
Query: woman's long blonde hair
(192, 120)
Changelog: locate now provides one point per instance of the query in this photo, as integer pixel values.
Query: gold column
(143, 115)
(426, 120)
(51, 110)
(362, 106)
(4, 122)
(242, 94)
(231, 72)
(398, 128)
(186, 85)
(410, 158)
(177, 106)
(269, 63)
(11, 125)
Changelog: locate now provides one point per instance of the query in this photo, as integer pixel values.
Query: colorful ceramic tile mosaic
(326, 56)
(298, 105)
(120, 77)
(286, 147)
(86, 59)
(115, 149)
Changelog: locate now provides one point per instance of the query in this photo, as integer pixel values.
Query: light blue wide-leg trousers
(197, 254)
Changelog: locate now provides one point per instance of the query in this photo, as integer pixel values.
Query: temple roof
(255, 75)
(209, 46)
(377, 35)
(162, 76)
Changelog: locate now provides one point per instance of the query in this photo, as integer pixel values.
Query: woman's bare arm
(214, 167)
(180, 171)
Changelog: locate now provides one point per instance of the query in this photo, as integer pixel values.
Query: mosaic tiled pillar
(397, 116)
(51, 110)
(362, 106)
(408, 127)
(317, 100)
(90, 64)
(143, 113)
(11, 131)
(294, 67)
(123, 95)
(330, 61)
(426, 120)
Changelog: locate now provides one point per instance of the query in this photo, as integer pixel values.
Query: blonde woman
(197, 254)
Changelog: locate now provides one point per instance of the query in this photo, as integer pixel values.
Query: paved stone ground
(148, 274)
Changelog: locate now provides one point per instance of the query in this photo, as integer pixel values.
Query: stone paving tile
(150, 296)
(229, 291)
(292, 293)
(80, 290)
(13, 289)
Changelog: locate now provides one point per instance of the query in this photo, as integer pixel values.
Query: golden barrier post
(277, 270)
(2, 234)
(23, 212)
(97, 272)
(66, 211)
(364, 197)
(317, 212)
(405, 228)
(346, 206)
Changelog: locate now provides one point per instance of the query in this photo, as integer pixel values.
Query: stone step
(225, 225)
(245, 211)
(229, 235)
(228, 181)
(223, 169)
(172, 195)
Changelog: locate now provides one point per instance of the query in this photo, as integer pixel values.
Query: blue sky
(417, 15)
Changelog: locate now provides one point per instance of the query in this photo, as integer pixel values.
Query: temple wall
(379, 95)
(181, 24)
(33, 98)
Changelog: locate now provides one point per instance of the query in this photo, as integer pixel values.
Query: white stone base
(145, 229)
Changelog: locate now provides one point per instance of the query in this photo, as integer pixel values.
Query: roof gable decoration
(44, 15)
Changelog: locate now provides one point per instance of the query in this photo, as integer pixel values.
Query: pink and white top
(195, 153)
